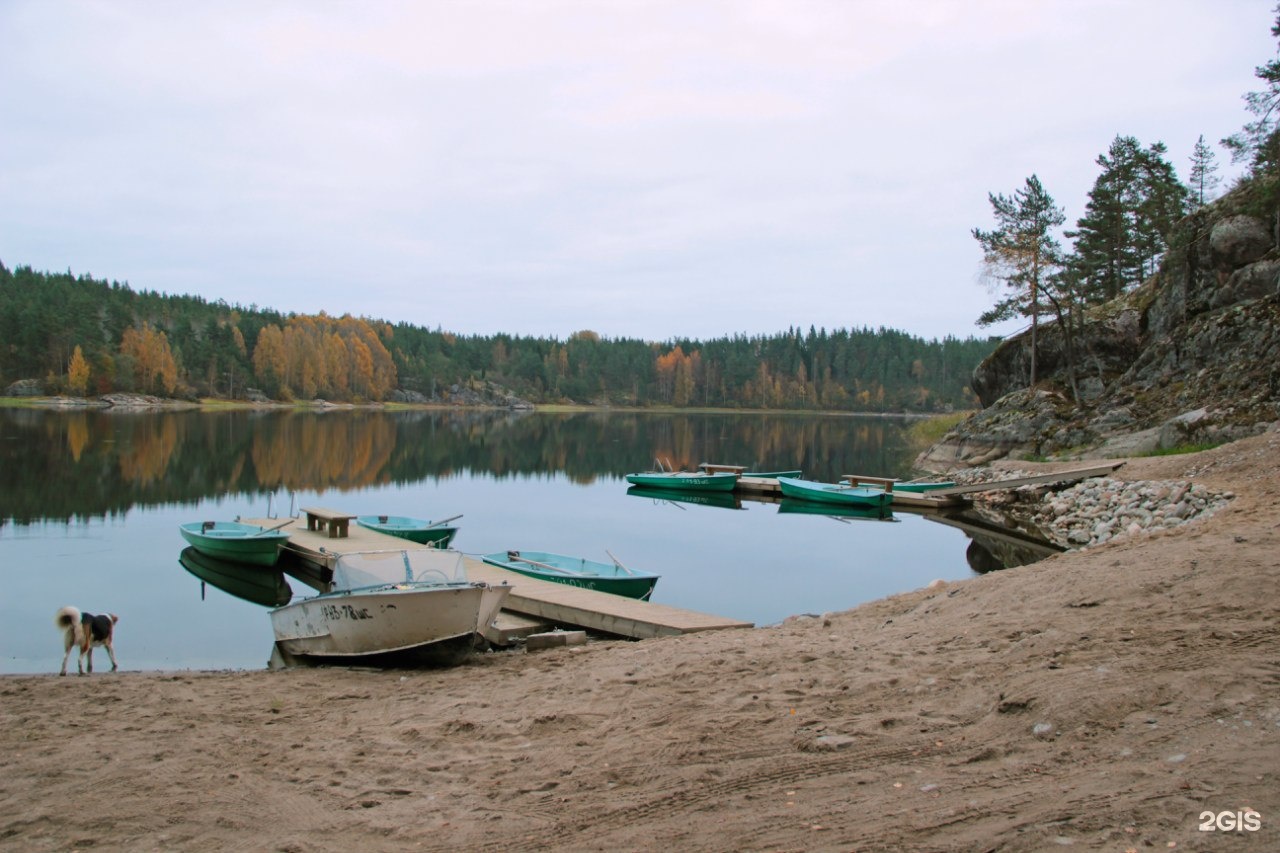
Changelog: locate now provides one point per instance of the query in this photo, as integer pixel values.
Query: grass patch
(1180, 449)
(929, 431)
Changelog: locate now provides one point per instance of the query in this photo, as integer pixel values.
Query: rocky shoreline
(1097, 510)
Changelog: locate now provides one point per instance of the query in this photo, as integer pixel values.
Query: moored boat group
(391, 605)
(854, 491)
(417, 602)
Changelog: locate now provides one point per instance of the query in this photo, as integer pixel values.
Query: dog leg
(67, 655)
(111, 652)
(89, 657)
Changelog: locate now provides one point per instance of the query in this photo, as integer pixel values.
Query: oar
(545, 566)
(269, 529)
(618, 562)
(445, 520)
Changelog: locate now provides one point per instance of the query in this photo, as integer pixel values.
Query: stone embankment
(1098, 510)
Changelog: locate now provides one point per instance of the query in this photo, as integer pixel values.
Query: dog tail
(67, 617)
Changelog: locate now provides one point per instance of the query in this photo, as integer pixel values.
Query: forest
(81, 336)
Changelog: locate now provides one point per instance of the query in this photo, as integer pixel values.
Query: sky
(653, 170)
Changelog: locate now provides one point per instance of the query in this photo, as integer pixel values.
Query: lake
(90, 503)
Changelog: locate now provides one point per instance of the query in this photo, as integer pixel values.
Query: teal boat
(834, 493)
(247, 582)
(685, 481)
(576, 571)
(436, 533)
(239, 543)
(772, 475)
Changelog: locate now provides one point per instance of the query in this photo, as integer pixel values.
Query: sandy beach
(1116, 698)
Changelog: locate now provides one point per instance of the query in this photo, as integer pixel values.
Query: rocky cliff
(1191, 357)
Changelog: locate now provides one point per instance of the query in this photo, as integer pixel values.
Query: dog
(84, 630)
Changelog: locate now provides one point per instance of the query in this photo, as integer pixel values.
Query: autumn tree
(78, 373)
(147, 351)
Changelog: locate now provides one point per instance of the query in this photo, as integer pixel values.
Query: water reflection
(993, 545)
(722, 500)
(61, 466)
(247, 583)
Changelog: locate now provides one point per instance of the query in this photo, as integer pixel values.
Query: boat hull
(833, 493)
(685, 482)
(244, 581)
(575, 571)
(398, 621)
(235, 542)
(413, 529)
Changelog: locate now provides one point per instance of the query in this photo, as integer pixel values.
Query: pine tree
(1023, 253)
(1133, 204)
(1203, 181)
(1259, 142)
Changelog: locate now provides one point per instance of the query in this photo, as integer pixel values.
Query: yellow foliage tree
(155, 371)
(78, 373)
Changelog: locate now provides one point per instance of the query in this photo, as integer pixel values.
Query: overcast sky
(642, 169)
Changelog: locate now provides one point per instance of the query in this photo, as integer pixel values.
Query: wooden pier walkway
(944, 498)
(533, 604)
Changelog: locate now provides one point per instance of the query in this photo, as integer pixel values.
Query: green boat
(685, 481)
(772, 475)
(834, 493)
(436, 533)
(234, 541)
(576, 571)
(246, 582)
(918, 488)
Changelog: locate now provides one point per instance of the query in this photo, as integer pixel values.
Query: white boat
(391, 607)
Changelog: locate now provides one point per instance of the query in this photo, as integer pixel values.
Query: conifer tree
(1259, 142)
(1022, 252)
(1203, 182)
(1133, 204)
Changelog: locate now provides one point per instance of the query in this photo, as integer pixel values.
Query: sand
(1098, 700)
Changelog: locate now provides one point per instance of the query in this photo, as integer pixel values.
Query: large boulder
(1239, 240)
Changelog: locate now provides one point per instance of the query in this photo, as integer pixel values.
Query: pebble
(1103, 509)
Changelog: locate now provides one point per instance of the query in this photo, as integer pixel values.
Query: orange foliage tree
(147, 350)
(317, 355)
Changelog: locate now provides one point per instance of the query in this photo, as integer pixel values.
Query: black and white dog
(84, 630)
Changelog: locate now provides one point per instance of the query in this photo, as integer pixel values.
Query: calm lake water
(90, 504)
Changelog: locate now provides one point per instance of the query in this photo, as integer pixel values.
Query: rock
(554, 639)
(25, 388)
(1239, 240)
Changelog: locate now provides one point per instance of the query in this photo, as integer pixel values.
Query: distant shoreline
(148, 402)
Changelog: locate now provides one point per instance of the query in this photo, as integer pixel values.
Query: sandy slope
(1096, 700)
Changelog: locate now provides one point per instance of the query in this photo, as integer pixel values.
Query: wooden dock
(944, 498)
(532, 605)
